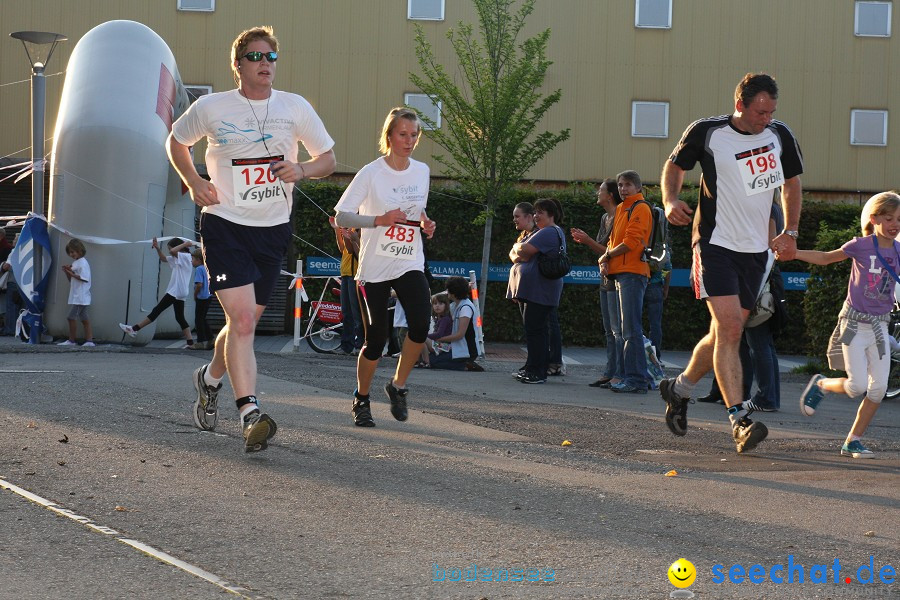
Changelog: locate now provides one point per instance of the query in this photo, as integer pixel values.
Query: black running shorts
(238, 255)
(718, 271)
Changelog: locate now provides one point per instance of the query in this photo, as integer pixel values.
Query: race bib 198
(254, 182)
(760, 169)
(397, 241)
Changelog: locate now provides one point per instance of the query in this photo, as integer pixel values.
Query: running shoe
(398, 401)
(856, 450)
(259, 428)
(812, 396)
(624, 388)
(205, 407)
(67, 343)
(676, 407)
(88, 344)
(127, 329)
(532, 379)
(362, 413)
(748, 434)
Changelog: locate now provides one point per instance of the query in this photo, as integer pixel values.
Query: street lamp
(35, 42)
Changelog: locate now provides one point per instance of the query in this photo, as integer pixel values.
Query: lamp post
(35, 42)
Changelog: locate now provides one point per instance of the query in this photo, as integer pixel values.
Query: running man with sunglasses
(252, 134)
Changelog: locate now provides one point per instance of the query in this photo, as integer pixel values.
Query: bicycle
(323, 329)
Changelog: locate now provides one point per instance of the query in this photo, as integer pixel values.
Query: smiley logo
(682, 573)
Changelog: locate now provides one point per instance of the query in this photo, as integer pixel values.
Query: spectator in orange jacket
(623, 262)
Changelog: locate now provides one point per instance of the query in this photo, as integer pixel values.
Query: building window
(425, 105)
(197, 5)
(425, 10)
(650, 119)
(868, 127)
(195, 91)
(653, 13)
(873, 19)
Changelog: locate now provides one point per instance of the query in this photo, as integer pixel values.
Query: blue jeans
(653, 301)
(759, 361)
(612, 325)
(352, 329)
(555, 334)
(631, 288)
(537, 337)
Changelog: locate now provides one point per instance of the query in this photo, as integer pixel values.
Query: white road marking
(27, 371)
(149, 550)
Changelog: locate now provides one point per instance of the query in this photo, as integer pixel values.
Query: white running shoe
(127, 329)
(67, 343)
(88, 344)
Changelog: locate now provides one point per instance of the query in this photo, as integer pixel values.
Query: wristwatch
(791, 232)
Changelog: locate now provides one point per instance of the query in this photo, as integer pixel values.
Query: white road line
(149, 550)
(27, 371)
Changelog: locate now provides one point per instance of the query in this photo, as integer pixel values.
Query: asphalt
(105, 485)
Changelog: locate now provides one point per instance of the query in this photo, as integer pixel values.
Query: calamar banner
(34, 238)
(587, 274)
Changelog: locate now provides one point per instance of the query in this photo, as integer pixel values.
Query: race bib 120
(760, 169)
(254, 182)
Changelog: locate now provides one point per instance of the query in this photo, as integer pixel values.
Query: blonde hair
(400, 112)
(77, 246)
(879, 204)
(239, 46)
(198, 254)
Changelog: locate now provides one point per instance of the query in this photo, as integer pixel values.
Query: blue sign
(588, 275)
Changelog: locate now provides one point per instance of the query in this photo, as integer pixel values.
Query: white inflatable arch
(111, 183)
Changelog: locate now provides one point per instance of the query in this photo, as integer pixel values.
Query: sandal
(422, 365)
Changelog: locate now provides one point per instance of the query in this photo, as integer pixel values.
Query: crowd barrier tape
(586, 274)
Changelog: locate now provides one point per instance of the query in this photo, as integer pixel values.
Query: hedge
(685, 320)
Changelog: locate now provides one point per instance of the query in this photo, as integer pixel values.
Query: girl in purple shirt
(860, 344)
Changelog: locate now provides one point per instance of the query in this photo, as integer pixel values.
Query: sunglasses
(258, 56)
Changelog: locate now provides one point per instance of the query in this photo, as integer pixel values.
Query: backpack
(657, 249)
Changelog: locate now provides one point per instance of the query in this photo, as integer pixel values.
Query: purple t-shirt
(871, 288)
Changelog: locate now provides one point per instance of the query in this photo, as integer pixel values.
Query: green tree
(490, 118)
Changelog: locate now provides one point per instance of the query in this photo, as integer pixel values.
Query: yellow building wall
(351, 59)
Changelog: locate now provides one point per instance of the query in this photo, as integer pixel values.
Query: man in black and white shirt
(745, 158)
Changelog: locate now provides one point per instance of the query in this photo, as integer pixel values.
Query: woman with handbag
(535, 281)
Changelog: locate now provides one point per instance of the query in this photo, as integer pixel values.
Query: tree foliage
(491, 112)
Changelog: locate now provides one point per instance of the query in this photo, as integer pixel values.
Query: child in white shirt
(179, 287)
(79, 276)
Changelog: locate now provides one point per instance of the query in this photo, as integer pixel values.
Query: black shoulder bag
(555, 266)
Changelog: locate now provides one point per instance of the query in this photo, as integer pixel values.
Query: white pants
(866, 372)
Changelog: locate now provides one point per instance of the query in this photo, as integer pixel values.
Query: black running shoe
(398, 401)
(259, 428)
(748, 434)
(362, 413)
(676, 407)
(205, 406)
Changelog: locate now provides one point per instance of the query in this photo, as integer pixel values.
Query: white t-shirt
(182, 269)
(244, 136)
(464, 308)
(80, 291)
(386, 253)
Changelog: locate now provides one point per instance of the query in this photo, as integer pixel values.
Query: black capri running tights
(167, 301)
(415, 296)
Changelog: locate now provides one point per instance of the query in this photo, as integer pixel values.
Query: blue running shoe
(856, 450)
(812, 396)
